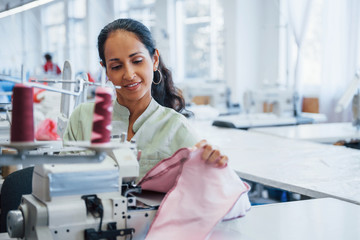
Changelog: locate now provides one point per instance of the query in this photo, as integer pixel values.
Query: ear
(156, 59)
(102, 64)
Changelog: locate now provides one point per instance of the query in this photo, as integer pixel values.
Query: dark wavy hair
(165, 93)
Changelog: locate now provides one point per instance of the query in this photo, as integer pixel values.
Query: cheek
(113, 76)
(150, 75)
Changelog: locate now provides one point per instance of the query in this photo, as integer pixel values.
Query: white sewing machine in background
(275, 100)
(215, 94)
(84, 201)
(265, 108)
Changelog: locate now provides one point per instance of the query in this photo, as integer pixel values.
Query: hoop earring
(157, 83)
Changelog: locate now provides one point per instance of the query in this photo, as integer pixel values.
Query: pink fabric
(51, 67)
(198, 196)
(46, 131)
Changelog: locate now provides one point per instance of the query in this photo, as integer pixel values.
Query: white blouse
(159, 131)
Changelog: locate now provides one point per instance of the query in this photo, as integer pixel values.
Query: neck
(135, 108)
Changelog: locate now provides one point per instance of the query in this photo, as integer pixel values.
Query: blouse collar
(145, 115)
(122, 113)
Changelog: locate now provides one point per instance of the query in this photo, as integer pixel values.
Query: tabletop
(325, 219)
(321, 132)
(309, 168)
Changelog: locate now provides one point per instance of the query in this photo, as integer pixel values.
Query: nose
(129, 73)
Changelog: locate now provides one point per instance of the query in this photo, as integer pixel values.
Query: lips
(132, 85)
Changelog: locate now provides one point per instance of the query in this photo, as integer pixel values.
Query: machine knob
(123, 137)
(15, 224)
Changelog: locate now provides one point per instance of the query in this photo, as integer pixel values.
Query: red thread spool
(101, 130)
(22, 120)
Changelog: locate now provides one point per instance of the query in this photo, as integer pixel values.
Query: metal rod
(23, 158)
(42, 86)
(53, 81)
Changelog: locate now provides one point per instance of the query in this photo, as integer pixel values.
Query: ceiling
(8, 4)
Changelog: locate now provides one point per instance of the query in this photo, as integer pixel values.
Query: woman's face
(129, 65)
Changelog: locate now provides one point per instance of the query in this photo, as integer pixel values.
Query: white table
(325, 219)
(4, 236)
(322, 132)
(309, 168)
(255, 120)
(316, 219)
(248, 121)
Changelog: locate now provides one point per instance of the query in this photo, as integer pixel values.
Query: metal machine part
(356, 110)
(352, 93)
(76, 202)
(69, 218)
(15, 224)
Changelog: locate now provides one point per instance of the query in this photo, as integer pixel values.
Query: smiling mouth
(132, 85)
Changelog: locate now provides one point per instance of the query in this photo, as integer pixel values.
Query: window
(311, 69)
(200, 42)
(54, 30)
(141, 10)
(312, 47)
(78, 47)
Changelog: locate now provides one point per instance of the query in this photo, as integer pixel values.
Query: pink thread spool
(22, 120)
(101, 130)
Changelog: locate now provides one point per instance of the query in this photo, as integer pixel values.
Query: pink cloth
(51, 67)
(198, 196)
(46, 131)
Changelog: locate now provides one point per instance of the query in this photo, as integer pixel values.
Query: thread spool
(101, 130)
(22, 120)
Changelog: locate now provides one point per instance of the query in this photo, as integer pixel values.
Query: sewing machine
(278, 101)
(84, 201)
(91, 195)
(215, 94)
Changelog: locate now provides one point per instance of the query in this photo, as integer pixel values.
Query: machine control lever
(110, 234)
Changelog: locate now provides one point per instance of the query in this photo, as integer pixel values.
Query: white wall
(269, 42)
(32, 57)
(251, 44)
(100, 13)
(20, 41)
(11, 44)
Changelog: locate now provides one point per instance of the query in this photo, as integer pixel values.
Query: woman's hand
(212, 155)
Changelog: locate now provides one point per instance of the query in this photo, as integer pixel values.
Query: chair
(15, 185)
(310, 105)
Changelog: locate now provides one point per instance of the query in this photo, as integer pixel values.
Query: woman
(147, 103)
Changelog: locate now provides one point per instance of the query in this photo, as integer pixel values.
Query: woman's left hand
(212, 155)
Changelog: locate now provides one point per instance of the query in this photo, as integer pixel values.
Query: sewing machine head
(84, 201)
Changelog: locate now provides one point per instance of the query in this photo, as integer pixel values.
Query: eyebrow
(131, 55)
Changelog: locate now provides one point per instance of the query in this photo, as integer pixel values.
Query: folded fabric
(198, 196)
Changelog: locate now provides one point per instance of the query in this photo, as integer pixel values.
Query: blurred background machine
(271, 100)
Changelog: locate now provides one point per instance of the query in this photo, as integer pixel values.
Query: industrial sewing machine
(82, 196)
(83, 201)
(278, 101)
